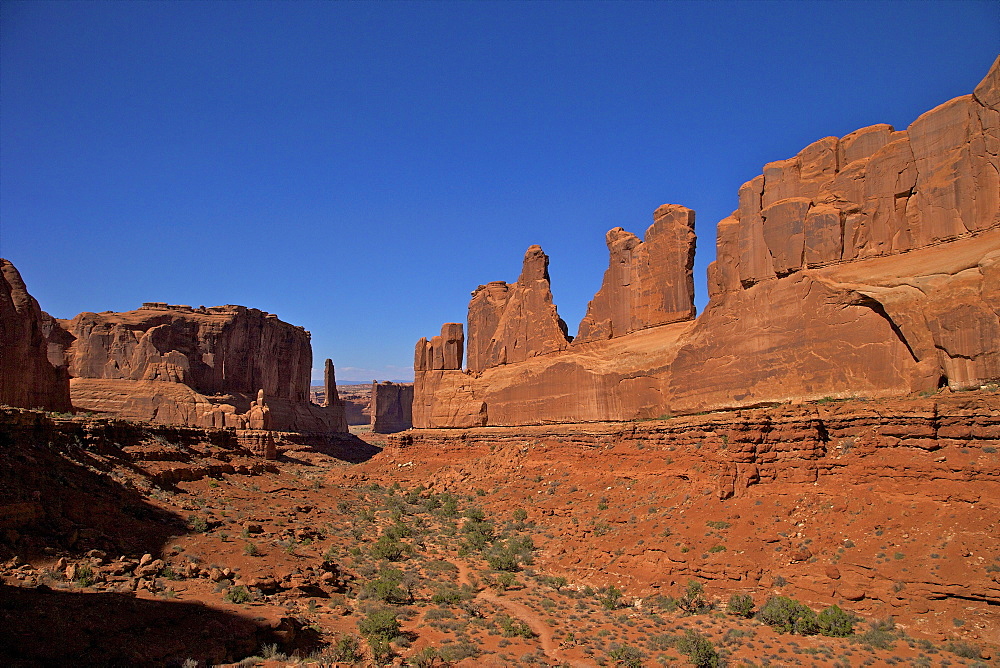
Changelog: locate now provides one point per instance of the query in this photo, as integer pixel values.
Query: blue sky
(359, 168)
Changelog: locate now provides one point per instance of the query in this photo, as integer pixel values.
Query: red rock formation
(392, 407)
(647, 283)
(864, 266)
(330, 396)
(31, 376)
(442, 352)
(178, 365)
(512, 323)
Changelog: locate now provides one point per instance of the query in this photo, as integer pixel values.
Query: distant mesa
(866, 265)
(170, 364)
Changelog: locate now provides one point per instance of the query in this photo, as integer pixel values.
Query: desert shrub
(741, 605)
(625, 655)
(238, 594)
(788, 616)
(520, 514)
(963, 649)
(451, 594)
(388, 587)
(380, 623)
(85, 575)
(514, 627)
(611, 599)
(345, 650)
(699, 650)
(693, 601)
(879, 634)
(250, 549)
(454, 652)
(198, 524)
(835, 622)
(387, 547)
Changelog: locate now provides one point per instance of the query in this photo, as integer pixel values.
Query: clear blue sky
(359, 168)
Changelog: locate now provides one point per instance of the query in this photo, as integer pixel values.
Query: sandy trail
(525, 614)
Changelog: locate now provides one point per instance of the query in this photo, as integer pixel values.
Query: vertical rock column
(648, 283)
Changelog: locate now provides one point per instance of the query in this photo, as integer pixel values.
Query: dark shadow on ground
(345, 447)
(58, 497)
(49, 627)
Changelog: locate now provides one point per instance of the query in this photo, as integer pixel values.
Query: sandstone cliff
(30, 377)
(512, 323)
(200, 367)
(648, 282)
(866, 265)
(392, 407)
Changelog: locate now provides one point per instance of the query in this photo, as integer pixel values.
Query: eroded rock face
(215, 350)
(200, 367)
(866, 265)
(512, 323)
(648, 282)
(443, 352)
(873, 192)
(31, 376)
(392, 407)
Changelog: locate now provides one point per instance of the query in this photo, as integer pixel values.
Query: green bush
(381, 623)
(238, 594)
(741, 605)
(387, 547)
(836, 623)
(879, 634)
(514, 628)
(345, 650)
(520, 515)
(693, 602)
(612, 598)
(963, 649)
(699, 650)
(449, 593)
(788, 616)
(624, 655)
(388, 587)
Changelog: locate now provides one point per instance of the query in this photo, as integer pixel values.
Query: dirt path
(523, 613)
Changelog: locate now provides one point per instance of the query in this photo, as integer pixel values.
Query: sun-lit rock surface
(865, 265)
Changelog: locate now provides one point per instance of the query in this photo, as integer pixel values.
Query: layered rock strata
(866, 265)
(31, 376)
(392, 407)
(880, 506)
(199, 367)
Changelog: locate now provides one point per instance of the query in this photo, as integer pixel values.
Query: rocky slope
(866, 265)
(145, 544)
(886, 507)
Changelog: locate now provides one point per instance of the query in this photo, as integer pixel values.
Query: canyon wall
(29, 376)
(867, 265)
(199, 367)
(391, 407)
